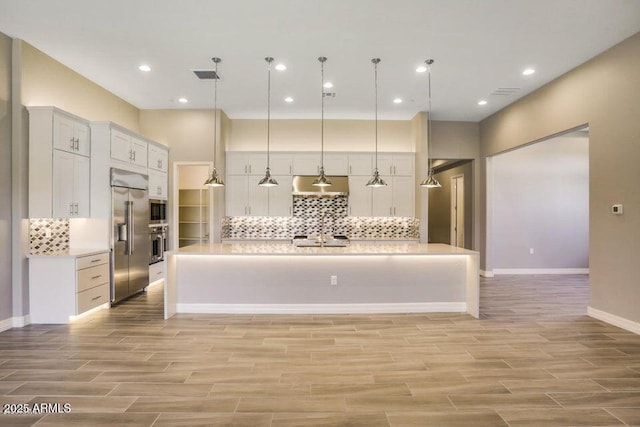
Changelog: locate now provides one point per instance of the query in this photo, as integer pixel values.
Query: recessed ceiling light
(421, 69)
(482, 102)
(288, 99)
(144, 67)
(528, 72)
(281, 67)
(397, 101)
(328, 85)
(183, 100)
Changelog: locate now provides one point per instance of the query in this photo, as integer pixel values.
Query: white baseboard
(541, 271)
(487, 273)
(614, 320)
(428, 307)
(14, 322)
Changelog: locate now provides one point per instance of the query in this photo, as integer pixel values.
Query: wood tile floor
(534, 358)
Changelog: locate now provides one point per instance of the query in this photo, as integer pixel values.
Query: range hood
(302, 186)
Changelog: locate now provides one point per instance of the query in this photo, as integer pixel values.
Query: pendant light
(321, 180)
(376, 180)
(430, 181)
(214, 180)
(268, 180)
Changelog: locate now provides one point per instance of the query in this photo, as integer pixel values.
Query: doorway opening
(192, 213)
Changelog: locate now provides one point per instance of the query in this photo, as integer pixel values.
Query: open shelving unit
(193, 215)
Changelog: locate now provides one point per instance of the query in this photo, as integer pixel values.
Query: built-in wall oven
(157, 211)
(157, 243)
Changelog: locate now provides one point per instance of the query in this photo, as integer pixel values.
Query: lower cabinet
(156, 271)
(61, 286)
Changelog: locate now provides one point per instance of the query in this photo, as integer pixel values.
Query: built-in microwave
(157, 211)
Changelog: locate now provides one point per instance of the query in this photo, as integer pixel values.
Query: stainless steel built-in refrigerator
(130, 238)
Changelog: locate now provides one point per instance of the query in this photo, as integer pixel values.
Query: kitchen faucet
(322, 226)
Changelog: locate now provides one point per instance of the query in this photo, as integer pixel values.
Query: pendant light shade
(430, 181)
(321, 180)
(268, 180)
(214, 180)
(376, 181)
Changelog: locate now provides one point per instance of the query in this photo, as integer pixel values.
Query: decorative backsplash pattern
(285, 227)
(40, 243)
(308, 213)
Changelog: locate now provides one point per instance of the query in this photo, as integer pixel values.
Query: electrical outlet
(334, 280)
(531, 251)
(47, 232)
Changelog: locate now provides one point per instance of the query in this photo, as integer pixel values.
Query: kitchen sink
(317, 242)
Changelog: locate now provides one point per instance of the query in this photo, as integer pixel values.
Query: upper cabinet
(158, 158)
(360, 164)
(128, 149)
(309, 164)
(241, 163)
(59, 164)
(396, 164)
(70, 134)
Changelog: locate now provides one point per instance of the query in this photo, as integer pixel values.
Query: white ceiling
(478, 47)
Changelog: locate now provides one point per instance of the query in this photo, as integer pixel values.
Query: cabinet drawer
(93, 297)
(156, 271)
(90, 261)
(93, 276)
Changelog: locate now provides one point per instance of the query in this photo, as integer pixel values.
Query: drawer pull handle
(96, 277)
(96, 298)
(95, 260)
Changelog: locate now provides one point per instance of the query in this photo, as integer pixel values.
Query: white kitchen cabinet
(306, 163)
(281, 164)
(156, 271)
(71, 135)
(128, 149)
(396, 164)
(360, 164)
(360, 196)
(59, 180)
(241, 163)
(396, 199)
(244, 197)
(280, 198)
(67, 285)
(336, 164)
(157, 185)
(158, 158)
(71, 185)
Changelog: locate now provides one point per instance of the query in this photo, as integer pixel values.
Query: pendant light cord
(322, 59)
(375, 62)
(269, 59)
(429, 62)
(215, 112)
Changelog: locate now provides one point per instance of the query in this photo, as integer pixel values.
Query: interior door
(120, 200)
(457, 211)
(139, 258)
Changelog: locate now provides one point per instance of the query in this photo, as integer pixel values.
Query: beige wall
(605, 94)
(45, 82)
(304, 135)
(6, 310)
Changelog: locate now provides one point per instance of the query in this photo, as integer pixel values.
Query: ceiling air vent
(329, 94)
(505, 91)
(206, 74)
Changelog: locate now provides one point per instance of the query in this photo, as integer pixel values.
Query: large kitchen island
(286, 279)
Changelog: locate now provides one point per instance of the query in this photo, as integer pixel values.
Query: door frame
(174, 191)
(453, 213)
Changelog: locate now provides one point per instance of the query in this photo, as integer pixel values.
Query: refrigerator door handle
(122, 232)
(132, 229)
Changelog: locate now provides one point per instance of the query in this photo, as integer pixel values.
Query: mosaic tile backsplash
(40, 243)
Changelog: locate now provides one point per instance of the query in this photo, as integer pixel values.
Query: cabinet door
(82, 134)
(157, 158)
(383, 200)
(360, 196)
(403, 164)
(63, 136)
(306, 164)
(360, 164)
(257, 163)
(81, 186)
(157, 185)
(403, 195)
(120, 146)
(236, 195)
(237, 164)
(385, 165)
(280, 198)
(281, 164)
(63, 177)
(139, 152)
(258, 198)
(336, 164)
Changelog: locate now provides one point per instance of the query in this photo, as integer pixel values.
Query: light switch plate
(617, 209)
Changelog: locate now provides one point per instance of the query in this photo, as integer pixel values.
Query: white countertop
(352, 249)
(69, 253)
